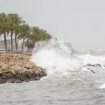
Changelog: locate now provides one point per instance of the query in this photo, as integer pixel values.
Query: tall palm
(24, 33)
(4, 27)
(14, 22)
(17, 32)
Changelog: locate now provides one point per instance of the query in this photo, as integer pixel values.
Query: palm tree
(17, 32)
(13, 25)
(4, 27)
(39, 34)
(14, 22)
(36, 35)
(24, 32)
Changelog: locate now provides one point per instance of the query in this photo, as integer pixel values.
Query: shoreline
(17, 68)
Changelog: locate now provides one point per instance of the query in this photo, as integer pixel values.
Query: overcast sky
(81, 22)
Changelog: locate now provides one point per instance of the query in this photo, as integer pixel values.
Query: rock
(16, 68)
(29, 66)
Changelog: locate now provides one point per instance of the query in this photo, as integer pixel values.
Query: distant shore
(17, 68)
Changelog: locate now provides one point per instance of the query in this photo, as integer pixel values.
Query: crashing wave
(58, 57)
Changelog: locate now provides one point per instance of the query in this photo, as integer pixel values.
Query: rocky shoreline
(17, 68)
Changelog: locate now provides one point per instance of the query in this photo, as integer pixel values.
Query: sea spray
(92, 59)
(56, 57)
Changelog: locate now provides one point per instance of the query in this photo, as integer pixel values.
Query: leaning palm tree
(36, 35)
(24, 32)
(39, 34)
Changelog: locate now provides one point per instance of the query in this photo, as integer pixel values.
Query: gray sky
(81, 22)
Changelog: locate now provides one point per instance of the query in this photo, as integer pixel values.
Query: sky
(80, 22)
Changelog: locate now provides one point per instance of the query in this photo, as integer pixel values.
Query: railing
(16, 52)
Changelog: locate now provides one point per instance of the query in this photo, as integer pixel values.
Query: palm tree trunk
(23, 45)
(28, 46)
(11, 41)
(5, 42)
(16, 46)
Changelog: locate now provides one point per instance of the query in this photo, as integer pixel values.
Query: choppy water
(73, 79)
(80, 88)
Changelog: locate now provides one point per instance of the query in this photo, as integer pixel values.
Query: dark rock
(1, 74)
(20, 77)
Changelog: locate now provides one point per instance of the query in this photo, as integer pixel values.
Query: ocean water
(72, 78)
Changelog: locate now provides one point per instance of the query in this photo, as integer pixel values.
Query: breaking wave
(58, 57)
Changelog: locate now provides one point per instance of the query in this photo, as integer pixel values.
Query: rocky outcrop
(16, 68)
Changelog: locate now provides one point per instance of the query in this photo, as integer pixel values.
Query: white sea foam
(102, 86)
(57, 58)
(92, 59)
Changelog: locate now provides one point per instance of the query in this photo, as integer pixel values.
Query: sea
(73, 78)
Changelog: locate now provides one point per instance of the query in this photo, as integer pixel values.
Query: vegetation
(15, 27)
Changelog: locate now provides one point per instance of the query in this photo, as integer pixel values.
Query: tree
(39, 34)
(14, 22)
(4, 27)
(15, 27)
(24, 32)
(36, 35)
